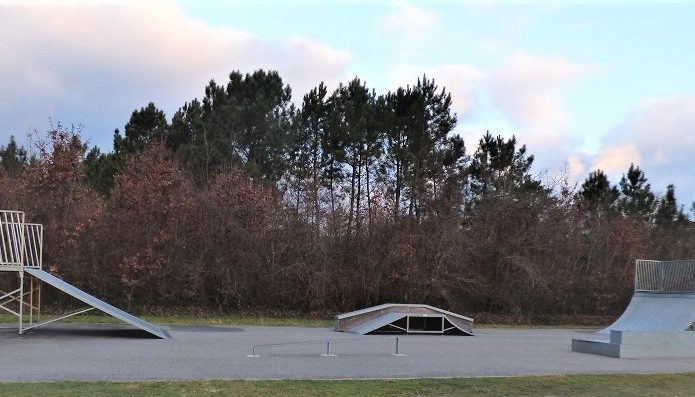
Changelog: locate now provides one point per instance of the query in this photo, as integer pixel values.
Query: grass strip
(608, 385)
(194, 320)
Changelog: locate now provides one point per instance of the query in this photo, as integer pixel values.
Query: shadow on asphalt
(89, 332)
(104, 331)
(202, 328)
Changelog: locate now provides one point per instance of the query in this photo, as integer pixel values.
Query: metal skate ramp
(650, 311)
(395, 318)
(95, 302)
(664, 298)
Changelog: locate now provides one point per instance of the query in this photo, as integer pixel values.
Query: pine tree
(146, 125)
(499, 167)
(352, 122)
(419, 153)
(244, 123)
(596, 194)
(306, 151)
(667, 210)
(13, 158)
(101, 169)
(636, 198)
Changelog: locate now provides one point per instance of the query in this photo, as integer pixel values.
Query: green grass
(242, 320)
(541, 326)
(566, 385)
(275, 321)
(263, 320)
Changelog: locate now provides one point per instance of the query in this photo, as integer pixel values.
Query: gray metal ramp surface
(377, 323)
(348, 322)
(389, 319)
(649, 311)
(96, 303)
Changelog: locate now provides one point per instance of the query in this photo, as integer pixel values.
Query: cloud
(522, 96)
(95, 64)
(616, 158)
(575, 166)
(461, 80)
(658, 136)
(410, 22)
(528, 90)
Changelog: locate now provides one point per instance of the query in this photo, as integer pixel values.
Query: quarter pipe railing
(677, 276)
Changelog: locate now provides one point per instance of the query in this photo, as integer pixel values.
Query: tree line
(246, 201)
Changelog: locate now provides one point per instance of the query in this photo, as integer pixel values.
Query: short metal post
(328, 350)
(397, 353)
(253, 353)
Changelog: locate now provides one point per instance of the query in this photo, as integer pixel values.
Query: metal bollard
(253, 353)
(397, 353)
(328, 351)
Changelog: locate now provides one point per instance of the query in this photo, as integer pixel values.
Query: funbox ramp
(651, 311)
(96, 302)
(399, 318)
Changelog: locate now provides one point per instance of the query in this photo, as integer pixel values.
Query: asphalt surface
(111, 352)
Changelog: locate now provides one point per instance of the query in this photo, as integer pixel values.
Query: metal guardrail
(676, 276)
(12, 238)
(21, 244)
(33, 237)
(327, 343)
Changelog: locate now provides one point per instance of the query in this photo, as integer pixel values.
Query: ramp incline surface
(651, 311)
(95, 302)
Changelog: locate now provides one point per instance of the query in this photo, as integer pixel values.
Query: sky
(584, 84)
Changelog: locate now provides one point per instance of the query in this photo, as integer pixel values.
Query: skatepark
(386, 341)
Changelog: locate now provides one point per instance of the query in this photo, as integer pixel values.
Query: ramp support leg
(21, 300)
(31, 301)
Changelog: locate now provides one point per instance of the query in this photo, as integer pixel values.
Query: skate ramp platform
(96, 302)
(653, 311)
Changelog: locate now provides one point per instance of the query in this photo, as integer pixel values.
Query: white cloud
(524, 95)
(95, 64)
(575, 166)
(461, 80)
(659, 137)
(616, 158)
(409, 21)
(528, 90)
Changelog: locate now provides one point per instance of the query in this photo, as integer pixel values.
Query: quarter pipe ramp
(652, 311)
(653, 324)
